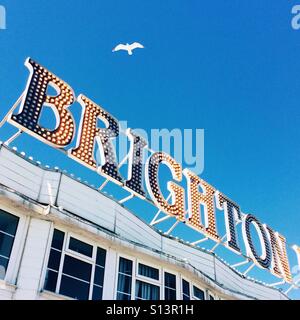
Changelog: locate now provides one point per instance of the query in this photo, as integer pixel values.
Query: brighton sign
(185, 205)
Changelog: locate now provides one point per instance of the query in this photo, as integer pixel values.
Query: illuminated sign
(195, 206)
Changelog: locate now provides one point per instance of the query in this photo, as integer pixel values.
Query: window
(8, 229)
(148, 272)
(146, 279)
(170, 286)
(54, 260)
(99, 274)
(76, 277)
(71, 274)
(147, 284)
(124, 279)
(146, 291)
(185, 290)
(80, 247)
(198, 293)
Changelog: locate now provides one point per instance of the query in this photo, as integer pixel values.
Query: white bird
(128, 47)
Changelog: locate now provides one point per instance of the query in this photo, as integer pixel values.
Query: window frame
(135, 265)
(147, 279)
(76, 254)
(66, 251)
(181, 287)
(153, 284)
(133, 276)
(151, 281)
(178, 276)
(18, 244)
(200, 287)
(210, 293)
(177, 285)
(192, 284)
(136, 276)
(160, 283)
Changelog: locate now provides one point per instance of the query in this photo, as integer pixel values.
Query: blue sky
(229, 67)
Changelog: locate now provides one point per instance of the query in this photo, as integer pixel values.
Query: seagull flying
(128, 47)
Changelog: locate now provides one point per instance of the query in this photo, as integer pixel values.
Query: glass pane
(54, 259)
(6, 243)
(124, 283)
(51, 280)
(8, 222)
(101, 255)
(170, 294)
(186, 298)
(125, 266)
(3, 267)
(74, 288)
(99, 275)
(185, 287)
(77, 268)
(146, 291)
(123, 296)
(198, 293)
(97, 293)
(149, 272)
(170, 280)
(58, 239)
(81, 247)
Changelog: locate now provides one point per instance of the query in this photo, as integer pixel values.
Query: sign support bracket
(276, 283)
(11, 109)
(13, 137)
(217, 244)
(119, 166)
(240, 263)
(126, 198)
(153, 222)
(221, 240)
(199, 241)
(249, 269)
(293, 286)
(161, 220)
(172, 227)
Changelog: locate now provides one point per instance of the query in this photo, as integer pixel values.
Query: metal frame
(10, 111)
(221, 240)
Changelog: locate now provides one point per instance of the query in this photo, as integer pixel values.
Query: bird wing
(120, 47)
(136, 45)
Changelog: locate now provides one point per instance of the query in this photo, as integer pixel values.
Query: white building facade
(62, 239)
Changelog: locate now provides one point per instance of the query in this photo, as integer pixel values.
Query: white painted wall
(32, 260)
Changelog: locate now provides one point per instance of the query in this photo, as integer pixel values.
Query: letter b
(36, 97)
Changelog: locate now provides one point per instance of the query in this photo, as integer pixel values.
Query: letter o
(263, 261)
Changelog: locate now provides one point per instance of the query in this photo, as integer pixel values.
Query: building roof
(56, 195)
